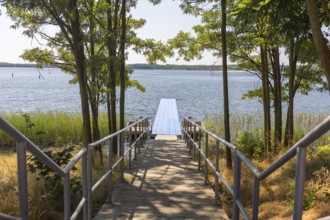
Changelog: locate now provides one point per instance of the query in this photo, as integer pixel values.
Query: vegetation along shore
(60, 136)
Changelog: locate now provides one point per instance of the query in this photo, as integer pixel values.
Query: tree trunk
(112, 27)
(225, 81)
(277, 97)
(94, 93)
(321, 46)
(265, 98)
(289, 129)
(78, 50)
(122, 62)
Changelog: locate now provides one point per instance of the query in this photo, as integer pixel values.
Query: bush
(250, 145)
(53, 183)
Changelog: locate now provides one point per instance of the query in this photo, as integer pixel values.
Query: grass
(44, 202)
(250, 123)
(276, 193)
(50, 129)
(60, 129)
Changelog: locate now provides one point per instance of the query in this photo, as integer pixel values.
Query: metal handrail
(299, 149)
(141, 128)
(19, 137)
(23, 144)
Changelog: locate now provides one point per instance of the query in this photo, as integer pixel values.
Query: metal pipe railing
(85, 155)
(23, 144)
(298, 150)
(140, 128)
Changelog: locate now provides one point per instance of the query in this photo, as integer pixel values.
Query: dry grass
(42, 203)
(276, 192)
(8, 183)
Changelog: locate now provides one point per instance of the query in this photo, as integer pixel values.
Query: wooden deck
(164, 184)
(167, 119)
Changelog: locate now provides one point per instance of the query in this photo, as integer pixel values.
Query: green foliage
(310, 197)
(317, 189)
(58, 128)
(250, 144)
(28, 122)
(53, 182)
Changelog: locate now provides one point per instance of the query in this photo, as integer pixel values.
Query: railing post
(144, 130)
(141, 134)
(149, 127)
(140, 142)
(122, 149)
(206, 157)
(237, 185)
(67, 197)
(135, 138)
(89, 181)
(199, 148)
(84, 184)
(110, 143)
(187, 132)
(130, 150)
(193, 146)
(118, 145)
(299, 183)
(188, 135)
(183, 129)
(216, 185)
(255, 198)
(22, 180)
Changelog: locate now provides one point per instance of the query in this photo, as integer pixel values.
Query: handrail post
(140, 140)
(199, 148)
(299, 183)
(84, 184)
(183, 129)
(67, 197)
(130, 149)
(255, 198)
(110, 143)
(122, 149)
(216, 186)
(141, 130)
(89, 181)
(135, 146)
(22, 180)
(193, 146)
(149, 126)
(144, 129)
(237, 186)
(206, 157)
(188, 134)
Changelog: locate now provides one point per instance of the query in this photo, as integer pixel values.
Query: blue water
(196, 92)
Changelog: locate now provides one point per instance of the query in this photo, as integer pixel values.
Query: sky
(164, 21)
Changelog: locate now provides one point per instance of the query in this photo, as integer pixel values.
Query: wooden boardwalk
(164, 184)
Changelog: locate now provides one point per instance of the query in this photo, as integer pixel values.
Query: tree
(34, 16)
(318, 37)
(225, 79)
(251, 23)
(122, 63)
(208, 36)
(84, 46)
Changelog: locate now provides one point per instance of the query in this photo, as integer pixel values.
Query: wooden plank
(164, 184)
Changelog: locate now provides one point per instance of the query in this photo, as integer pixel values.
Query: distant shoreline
(140, 66)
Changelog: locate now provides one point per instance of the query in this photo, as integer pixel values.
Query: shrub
(250, 145)
(53, 183)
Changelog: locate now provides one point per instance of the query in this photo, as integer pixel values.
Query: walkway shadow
(165, 184)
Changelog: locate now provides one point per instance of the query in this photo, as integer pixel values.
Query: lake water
(196, 92)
